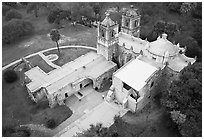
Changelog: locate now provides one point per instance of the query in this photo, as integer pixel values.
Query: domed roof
(162, 46)
(108, 21)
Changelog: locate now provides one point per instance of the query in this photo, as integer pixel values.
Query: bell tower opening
(131, 21)
(107, 37)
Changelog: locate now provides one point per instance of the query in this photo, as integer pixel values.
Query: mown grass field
(18, 109)
(39, 40)
(67, 55)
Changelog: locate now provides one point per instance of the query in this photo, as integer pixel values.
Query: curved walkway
(48, 61)
(40, 52)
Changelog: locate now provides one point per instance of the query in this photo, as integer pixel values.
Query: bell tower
(131, 21)
(107, 38)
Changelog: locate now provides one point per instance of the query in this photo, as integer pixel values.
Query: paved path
(37, 53)
(48, 61)
(103, 113)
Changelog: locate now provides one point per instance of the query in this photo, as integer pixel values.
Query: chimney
(164, 36)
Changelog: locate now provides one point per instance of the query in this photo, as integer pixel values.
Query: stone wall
(99, 82)
(118, 89)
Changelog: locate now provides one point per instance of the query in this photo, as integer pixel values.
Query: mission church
(131, 63)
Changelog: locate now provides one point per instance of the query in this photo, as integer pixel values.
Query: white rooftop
(135, 73)
(89, 65)
(136, 43)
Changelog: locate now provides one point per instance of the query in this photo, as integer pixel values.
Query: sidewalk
(61, 47)
(104, 113)
(48, 61)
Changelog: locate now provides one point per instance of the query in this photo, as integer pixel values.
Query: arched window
(136, 23)
(127, 24)
(102, 34)
(151, 84)
(112, 34)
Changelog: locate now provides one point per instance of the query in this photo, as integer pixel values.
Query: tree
(197, 12)
(24, 3)
(99, 131)
(95, 131)
(165, 27)
(51, 123)
(187, 7)
(171, 28)
(11, 131)
(5, 9)
(11, 4)
(197, 33)
(55, 36)
(15, 29)
(192, 47)
(56, 15)
(174, 6)
(10, 76)
(34, 7)
(81, 9)
(97, 8)
(183, 100)
(159, 27)
(13, 14)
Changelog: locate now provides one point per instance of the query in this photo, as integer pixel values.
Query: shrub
(23, 132)
(11, 131)
(174, 7)
(7, 131)
(11, 4)
(24, 3)
(13, 14)
(51, 123)
(14, 29)
(5, 9)
(10, 76)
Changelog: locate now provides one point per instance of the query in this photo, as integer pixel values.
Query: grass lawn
(79, 35)
(18, 109)
(67, 54)
(38, 61)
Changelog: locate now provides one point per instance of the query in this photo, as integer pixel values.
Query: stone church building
(133, 65)
(140, 62)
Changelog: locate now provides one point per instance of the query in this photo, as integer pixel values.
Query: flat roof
(135, 73)
(89, 65)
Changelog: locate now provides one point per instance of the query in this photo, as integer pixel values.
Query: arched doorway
(86, 82)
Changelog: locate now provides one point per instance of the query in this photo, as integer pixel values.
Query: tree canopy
(184, 100)
(14, 29)
(81, 9)
(13, 14)
(34, 7)
(56, 15)
(55, 36)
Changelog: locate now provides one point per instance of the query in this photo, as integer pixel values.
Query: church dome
(162, 46)
(107, 21)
